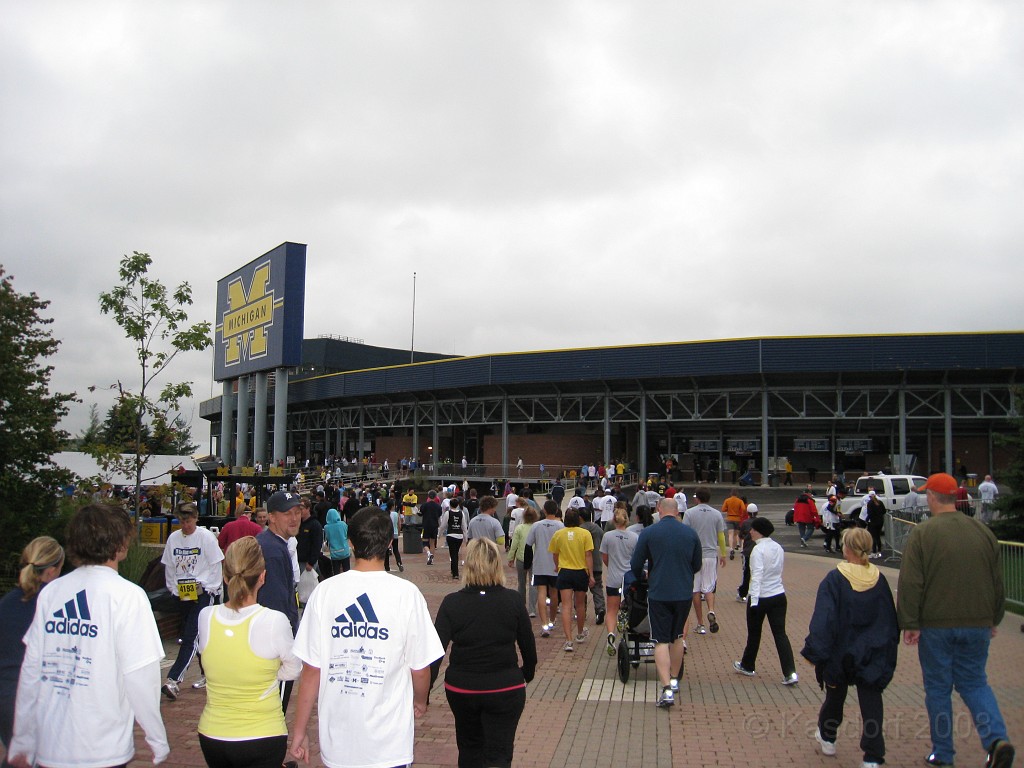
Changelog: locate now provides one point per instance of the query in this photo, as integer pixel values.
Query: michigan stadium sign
(260, 314)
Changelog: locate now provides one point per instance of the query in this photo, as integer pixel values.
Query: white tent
(155, 472)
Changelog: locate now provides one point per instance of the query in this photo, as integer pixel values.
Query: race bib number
(188, 590)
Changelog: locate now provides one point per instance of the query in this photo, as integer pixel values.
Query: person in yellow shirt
(573, 550)
(409, 502)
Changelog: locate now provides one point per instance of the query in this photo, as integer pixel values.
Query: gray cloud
(558, 174)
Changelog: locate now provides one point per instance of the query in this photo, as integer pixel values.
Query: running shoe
(611, 643)
(674, 685)
(738, 666)
(934, 761)
(567, 647)
(732, 554)
(200, 683)
(599, 619)
(667, 698)
(791, 679)
(740, 598)
(803, 543)
(712, 622)
(545, 630)
(401, 568)
(582, 636)
(170, 689)
(701, 629)
(430, 558)
(1000, 754)
(828, 748)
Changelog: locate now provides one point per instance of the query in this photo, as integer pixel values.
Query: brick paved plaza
(579, 714)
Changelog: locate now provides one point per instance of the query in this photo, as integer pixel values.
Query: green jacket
(951, 575)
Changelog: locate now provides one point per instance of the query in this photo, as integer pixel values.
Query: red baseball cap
(940, 483)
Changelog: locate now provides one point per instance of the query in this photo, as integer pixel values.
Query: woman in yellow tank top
(246, 650)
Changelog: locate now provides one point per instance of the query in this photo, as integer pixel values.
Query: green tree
(155, 320)
(30, 418)
(93, 432)
(1010, 525)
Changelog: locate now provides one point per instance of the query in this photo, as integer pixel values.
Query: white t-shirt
(515, 518)
(366, 632)
(91, 628)
(510, 501)
(680, 499)
(191, 559)
(604, 508)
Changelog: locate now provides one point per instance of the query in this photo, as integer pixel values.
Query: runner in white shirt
(193, 574)
(92, 658)
(366, 640)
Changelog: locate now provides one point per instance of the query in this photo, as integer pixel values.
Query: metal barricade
(898, 526)
(1013, 572)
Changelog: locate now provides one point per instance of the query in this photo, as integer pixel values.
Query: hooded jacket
(336, 533)
(853, 636)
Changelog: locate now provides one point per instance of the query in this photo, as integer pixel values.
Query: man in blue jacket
(672, 552)
(278, 591)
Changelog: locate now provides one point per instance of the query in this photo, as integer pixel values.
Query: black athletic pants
(872, 740)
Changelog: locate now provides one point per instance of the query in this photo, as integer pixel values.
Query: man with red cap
(951, 599)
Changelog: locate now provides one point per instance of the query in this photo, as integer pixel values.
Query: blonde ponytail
(40, 553)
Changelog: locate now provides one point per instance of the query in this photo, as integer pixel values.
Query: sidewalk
(578, 713)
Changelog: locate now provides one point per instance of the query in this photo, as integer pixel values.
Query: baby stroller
(634, 627)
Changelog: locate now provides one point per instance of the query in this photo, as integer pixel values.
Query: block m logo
(249, 315)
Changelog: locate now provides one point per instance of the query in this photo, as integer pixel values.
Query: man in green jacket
(950, 601)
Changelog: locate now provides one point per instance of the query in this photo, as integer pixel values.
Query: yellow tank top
(242, 700)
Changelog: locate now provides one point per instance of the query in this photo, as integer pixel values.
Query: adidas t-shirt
(366, 632)
(90, 629)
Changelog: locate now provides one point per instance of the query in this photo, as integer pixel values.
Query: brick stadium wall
(552, 450)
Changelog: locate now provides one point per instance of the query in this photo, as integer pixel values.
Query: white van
(891, 489)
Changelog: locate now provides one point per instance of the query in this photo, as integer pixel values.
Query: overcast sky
(558, 174)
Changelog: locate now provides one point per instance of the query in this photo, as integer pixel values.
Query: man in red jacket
(238, 529)
(805, 515)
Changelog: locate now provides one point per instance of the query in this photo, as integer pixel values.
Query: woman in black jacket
(853, 640)
(484, 684)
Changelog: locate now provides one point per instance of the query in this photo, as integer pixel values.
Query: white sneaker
(828, 748)
(791, 679)
(200, 683)
(170, 689)
(674, 685)
(667, 698)
(567, 647)
(582, 637)
(738, 666)
(701, 629)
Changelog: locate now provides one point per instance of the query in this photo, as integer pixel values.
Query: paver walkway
(579, 714)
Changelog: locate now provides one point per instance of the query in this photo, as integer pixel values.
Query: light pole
(412, 341)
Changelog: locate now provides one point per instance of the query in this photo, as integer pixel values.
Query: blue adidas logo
(359, 620)
(72, 619)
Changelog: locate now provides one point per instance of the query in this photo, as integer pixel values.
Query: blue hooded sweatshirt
(336, 533)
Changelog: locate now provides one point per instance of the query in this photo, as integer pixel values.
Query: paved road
(579, 714)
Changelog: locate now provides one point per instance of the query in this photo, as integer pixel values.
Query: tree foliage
(155, 320)
(30, 418)
(1010, 525)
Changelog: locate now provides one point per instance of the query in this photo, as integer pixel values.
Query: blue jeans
(806, 530)
(955, 657)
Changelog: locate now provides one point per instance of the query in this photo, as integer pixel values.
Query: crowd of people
(367, 651)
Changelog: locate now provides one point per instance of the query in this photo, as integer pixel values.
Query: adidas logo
(72, 619)
(359, 620)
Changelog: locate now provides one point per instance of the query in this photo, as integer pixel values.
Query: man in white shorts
(710, 528)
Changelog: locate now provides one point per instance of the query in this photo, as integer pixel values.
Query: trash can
(773, 479)
(412, 540)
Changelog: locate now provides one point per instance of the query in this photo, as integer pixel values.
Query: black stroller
(635, 644)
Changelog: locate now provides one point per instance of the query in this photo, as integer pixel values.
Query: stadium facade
(921, 401)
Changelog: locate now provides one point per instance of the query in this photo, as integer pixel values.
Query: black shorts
(540, 580)
(667, 619)
(429, 533)
(612, 591)
(577, 581)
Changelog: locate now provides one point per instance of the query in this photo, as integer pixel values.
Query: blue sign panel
(260, 314)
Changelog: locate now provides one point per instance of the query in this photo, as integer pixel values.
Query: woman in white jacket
(766, 598)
